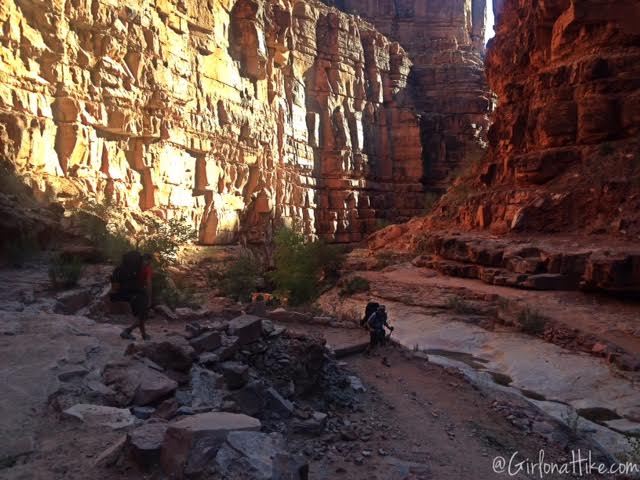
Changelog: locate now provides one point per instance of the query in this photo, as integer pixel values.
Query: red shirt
(144, 276)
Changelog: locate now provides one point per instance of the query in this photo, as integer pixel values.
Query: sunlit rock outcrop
(233, 113)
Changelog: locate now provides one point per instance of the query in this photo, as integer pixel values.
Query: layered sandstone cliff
(564, 152)
(234, 113)
(445, 41)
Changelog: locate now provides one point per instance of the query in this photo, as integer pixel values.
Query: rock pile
(223, 398)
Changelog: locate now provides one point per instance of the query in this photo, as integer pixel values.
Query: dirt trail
(434, 419)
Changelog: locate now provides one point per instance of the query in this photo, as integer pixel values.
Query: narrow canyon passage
(319, 239)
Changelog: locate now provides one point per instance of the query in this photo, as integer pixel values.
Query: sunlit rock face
(445, 41)
(238, 114)
(564, 152)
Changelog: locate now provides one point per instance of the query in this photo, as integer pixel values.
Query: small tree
(301, 266)
(242, 277)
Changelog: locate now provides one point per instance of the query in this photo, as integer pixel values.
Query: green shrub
(301, 266)
(173, 294)
(531, 321)
(164, 238)
(64, 272)
(242, 277)
(355, 285)
(104, 226)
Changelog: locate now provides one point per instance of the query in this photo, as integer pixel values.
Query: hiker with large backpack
(376, 324)
(131, 282)
(369, 310)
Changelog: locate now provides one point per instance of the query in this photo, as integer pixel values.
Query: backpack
(370, 309)
(126, 274)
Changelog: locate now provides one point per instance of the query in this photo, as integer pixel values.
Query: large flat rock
(191, 443)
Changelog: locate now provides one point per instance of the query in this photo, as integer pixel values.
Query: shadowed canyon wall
(564, 151)
(237, 114)
(445, 41)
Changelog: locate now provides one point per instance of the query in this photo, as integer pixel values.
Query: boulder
(153, 387)
(135, 382)
(172, 353)
(101, 415)
(206, 342)
(71, 301)
(314, 425)
(248, 328)
(249, 399)
(145, 442)
(190, 444)
(259, 456)
(235, 374)
(230, 346)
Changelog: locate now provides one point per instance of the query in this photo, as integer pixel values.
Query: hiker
(377, 323)
(369, 310)
(131, 282)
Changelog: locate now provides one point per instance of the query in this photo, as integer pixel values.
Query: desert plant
(355, 285)
(65, 272)
(301, 266)
(242, 277)
(531, 321)
(164, 238)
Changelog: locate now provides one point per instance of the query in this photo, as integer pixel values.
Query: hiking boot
(127, 335)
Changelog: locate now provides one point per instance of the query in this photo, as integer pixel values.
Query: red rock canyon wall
(564, 152)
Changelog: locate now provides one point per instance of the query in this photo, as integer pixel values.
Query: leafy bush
(355, 285)
(164, 238)
(105, 226)
(531, 321)
(242, 277)
(301, 266)
(166, 291)
(64, 272)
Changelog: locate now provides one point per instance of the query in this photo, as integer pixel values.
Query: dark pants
(139, 301)
(376, 337)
